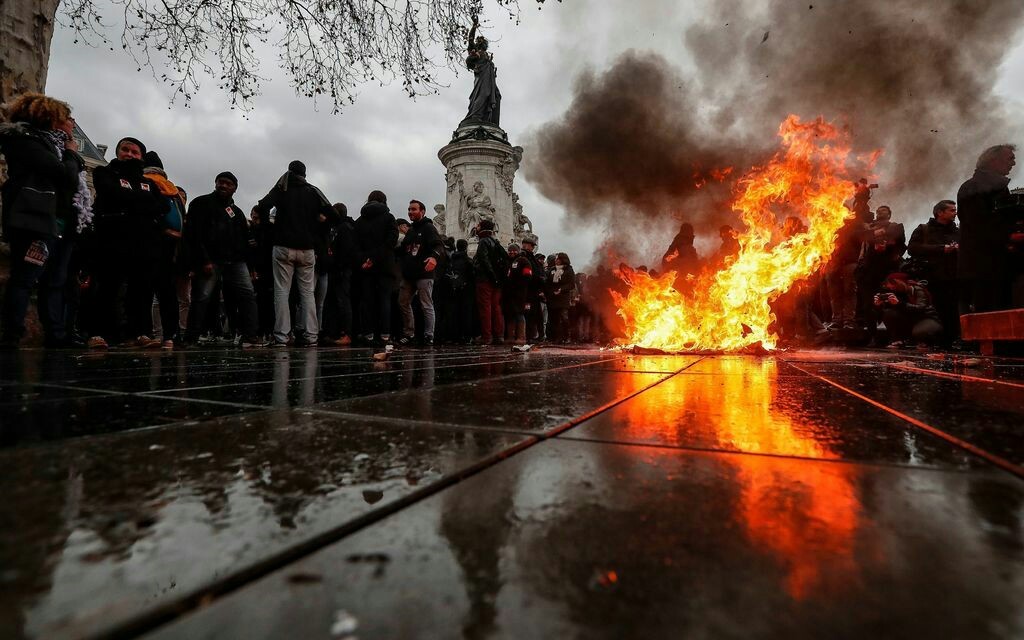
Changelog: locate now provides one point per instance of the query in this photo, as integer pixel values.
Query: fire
(729, 309)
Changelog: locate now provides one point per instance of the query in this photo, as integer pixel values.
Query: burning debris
(729, 308)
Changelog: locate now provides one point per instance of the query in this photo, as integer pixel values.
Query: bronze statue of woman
(485, 101)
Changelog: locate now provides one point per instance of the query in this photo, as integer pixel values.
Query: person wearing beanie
(491, 264)
(515, 295)
(129, 210)
(535, 290)
(301, 208)
(420, 253)
(217, 240)
(166, 273)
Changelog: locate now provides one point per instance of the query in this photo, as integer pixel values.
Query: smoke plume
(912, 78)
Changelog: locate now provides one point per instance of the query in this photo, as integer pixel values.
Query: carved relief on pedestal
(475, 207)
(508, 167)
(520, 223)
(440, 219)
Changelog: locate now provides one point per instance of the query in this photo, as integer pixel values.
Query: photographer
(907, 312)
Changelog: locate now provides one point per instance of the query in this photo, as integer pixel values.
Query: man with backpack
(491, 264)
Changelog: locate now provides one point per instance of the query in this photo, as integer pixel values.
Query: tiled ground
(477, 493)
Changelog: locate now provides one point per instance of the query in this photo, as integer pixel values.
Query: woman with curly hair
(41, 210)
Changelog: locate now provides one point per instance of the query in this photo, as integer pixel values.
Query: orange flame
(729, 309)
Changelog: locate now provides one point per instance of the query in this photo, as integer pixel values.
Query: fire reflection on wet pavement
(477, 493)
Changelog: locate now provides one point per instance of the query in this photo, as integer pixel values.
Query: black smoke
(912, 78)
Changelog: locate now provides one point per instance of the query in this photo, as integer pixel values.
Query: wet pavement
(475, 493)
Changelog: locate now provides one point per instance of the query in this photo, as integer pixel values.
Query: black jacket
(299, 205)
(982, 234)
(536, 286)
(343, 246)
(491, 261)
(127, 210)
(420, 243)
(928, 244)
(559, 294)
(515, 294)
(216, 231)
(376, 234)
(460, 271)
(35, 169)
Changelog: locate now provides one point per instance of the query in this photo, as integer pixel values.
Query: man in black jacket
(981, 266)
(535, 290)
(128, 211)
(376, 234)
(936, 245)
(491, 264)
(217, 236)
(338, 309)
(301, 208)
(421, 250)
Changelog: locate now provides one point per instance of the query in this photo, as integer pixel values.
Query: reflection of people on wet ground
(477, 526)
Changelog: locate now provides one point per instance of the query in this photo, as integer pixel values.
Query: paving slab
(592, 540)
(94, 531)
(764, 406)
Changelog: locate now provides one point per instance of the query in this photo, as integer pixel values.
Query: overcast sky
(386, 140)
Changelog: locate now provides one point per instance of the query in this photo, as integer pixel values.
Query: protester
(982, 254)
(339, 284)
(490, 264)
(935, 245)
(462, 282)
(682, 258)
(881, 253)
(841, 272)
(301, 208)
(561, 288)
(166, 272)
(42, 205)
(535, 290)
(129, 209)
(217, 235)
(515, 295)
(421, 251)
(261, 262)
(376, 235)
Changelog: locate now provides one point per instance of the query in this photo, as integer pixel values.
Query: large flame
(729, 309)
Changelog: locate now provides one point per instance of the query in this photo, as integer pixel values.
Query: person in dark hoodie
(40, 218)
(376, 234)
(338, 311)
(301, 208)
(217, 234)
(982, 258)
(491, 264)
(128, 212)
(421, 251)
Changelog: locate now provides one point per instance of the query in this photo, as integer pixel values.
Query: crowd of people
(134, 262)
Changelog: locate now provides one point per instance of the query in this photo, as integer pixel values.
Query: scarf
(82, 199)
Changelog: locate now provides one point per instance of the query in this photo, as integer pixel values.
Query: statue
(520, 223)
(485, 101)
(439, 217)
(476, 207)
(509, 166)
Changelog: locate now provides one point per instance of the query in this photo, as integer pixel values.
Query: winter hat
(297, 167)
(487, 225)
(513, 247)
(134, 141)
(151, 159)
(227, 175)
(402, 221)
(530, 239)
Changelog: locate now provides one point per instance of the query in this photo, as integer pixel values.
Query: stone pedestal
(481, 166)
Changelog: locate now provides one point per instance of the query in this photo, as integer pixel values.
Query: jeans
(299, 262)
(24, 276)
(52, 312)
(425, 289)
(320, 289)
(234, 279)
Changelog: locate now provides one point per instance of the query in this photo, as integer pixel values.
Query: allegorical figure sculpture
(476, 207)
(520, 223)
(485, 101)
(439, 217)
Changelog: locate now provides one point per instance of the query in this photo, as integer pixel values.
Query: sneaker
(97, 342)
(253, 343)
(167, 345)
(277, 344)
(405, 341)
(205, 338)
(343, 341)
(428, 341)
(144, 342)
